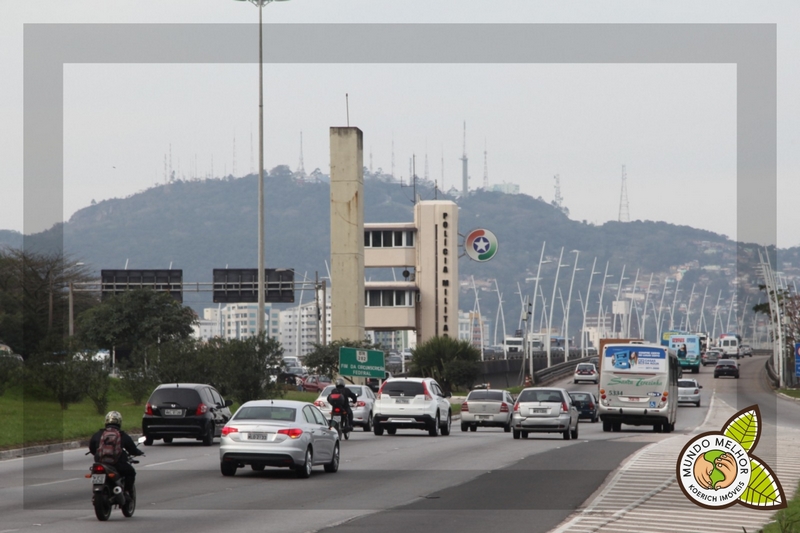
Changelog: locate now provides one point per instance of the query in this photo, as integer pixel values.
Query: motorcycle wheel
(130, 507)
(102, 507)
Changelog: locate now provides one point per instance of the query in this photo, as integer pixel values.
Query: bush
(62, 375)
(10, 372)
(249, 368)
(450, 362)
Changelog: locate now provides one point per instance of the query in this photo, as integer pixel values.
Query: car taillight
(696, 391)
(516, 407)
(361, 404)
(201, 409)
(591, 406)
(227, 430)
(503, 407)
(293, 433)
(318, 403)
(148, 410)
(465, 407)
(564, 407)
(428, 397)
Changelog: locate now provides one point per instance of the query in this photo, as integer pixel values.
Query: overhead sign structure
(118, 281)
(480, 245)
(361, 363)
(239, 285)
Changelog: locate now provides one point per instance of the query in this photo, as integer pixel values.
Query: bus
(691, 361)
(638, 386)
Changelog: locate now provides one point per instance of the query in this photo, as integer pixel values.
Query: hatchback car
(586, 372)
(726, 367)
(745, 350)
(315, 383)
(279, 433)
(710, 357)
(184, 410)
(362, 410)
(544, 411)
(689, 391)
(487, 408)
(586, 402)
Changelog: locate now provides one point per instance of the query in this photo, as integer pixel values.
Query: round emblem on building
(480, 245)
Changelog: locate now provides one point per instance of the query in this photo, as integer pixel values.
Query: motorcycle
(339, 418)
(108, 490)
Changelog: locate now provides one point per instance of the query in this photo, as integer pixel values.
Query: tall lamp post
(585, 305)
(600, 304)
(552, 305)
(533, 307)
(261, 265)
(569, 301)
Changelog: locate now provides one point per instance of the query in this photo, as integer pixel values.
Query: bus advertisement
(691, 358)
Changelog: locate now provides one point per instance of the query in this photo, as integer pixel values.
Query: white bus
(638, 386)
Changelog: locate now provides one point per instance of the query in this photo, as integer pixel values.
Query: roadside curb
(48, 448)
(787, 397)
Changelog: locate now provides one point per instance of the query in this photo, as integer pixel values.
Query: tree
(324, 359)
(251, 367)
(191, 361)
(61, 374)
(451, 362)
(10, 371)
(136, 320)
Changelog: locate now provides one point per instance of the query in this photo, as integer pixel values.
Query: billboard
(238, 285)
(118, 281)
(634, 358)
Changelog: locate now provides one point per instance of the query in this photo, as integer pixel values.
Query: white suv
(411, 403)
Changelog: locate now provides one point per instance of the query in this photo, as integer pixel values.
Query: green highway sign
(361, 363)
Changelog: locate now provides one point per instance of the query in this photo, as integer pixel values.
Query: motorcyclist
(123, 467)
(348, 396)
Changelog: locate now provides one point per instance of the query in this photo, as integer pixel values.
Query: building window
(388, 239)
(389, 298)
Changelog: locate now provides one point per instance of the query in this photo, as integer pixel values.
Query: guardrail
(547, 375)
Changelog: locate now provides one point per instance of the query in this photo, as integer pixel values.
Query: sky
(672, 126)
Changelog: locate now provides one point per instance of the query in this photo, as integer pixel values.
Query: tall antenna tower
(485, 168)
(171, 173)
(301, 169)
(252, 164)
(233, 166)
(464, 166)
(370, 160)
(624, 211)
(559, 200)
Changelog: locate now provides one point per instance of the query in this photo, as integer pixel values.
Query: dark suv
(185, 410)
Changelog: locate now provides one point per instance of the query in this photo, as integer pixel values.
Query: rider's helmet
(339, 382)
(114, 418)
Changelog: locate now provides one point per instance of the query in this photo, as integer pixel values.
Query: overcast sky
(673, 126)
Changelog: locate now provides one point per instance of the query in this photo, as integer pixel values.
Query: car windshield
(184, 397)
(543, 395)
(267, 412)
(403, 388)
(493, 395)
(581, 396)
(586, 366)
(294, 370)
(355, 388)
(686, 383)
(726, 362)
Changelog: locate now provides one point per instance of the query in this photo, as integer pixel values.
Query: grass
(794, 393)
(786, 520)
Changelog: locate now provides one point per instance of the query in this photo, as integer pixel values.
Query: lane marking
(164, 463)
(55, 482)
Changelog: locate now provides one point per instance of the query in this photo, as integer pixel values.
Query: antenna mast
(485, 168)
(301, 169)
(464, 166)
(624, 212)
(558, 199)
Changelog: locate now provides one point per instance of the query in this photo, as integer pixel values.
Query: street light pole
(600, 304)
(585, 305)
(552, 305)
(632, 299)
(643, 323)
(674, 301)
(619, 292)
(533, 307)
(569, 301)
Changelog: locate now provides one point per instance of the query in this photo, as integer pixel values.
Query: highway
(464, 482)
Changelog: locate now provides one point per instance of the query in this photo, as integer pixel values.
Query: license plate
(539, 411)
(173, 412)
(402, 400)
(98, 479)
(257, 436)
(483, 417)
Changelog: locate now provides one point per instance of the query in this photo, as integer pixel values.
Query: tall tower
(624, 212)
(485, 168)
(559, 200)
(301, 169)
(464, 166)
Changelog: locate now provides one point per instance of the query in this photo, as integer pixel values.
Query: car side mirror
(699, 386)
(448, 395)
(228, 403)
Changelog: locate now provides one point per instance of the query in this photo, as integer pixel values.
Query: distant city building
(507, 188)
(301, 327)
(469, 328)
(393, 340)
(236, 321)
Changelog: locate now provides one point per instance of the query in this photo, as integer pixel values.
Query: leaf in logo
(744, 427)
(764, 490)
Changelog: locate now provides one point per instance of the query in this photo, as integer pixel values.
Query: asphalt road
(466, 481)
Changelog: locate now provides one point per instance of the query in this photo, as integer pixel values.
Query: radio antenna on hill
(301, 168)
(559, 200)
(624, 212)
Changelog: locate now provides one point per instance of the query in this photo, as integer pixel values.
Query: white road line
(55, 482)
(164, 463)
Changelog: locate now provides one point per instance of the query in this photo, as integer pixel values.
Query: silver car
(280, 433)
(362, 410)
(487, 408)
(689, 391)
(711, 356)
(545, 410)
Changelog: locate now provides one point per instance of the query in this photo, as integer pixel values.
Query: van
(730, 347)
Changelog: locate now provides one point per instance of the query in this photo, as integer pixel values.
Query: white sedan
(362, 409)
